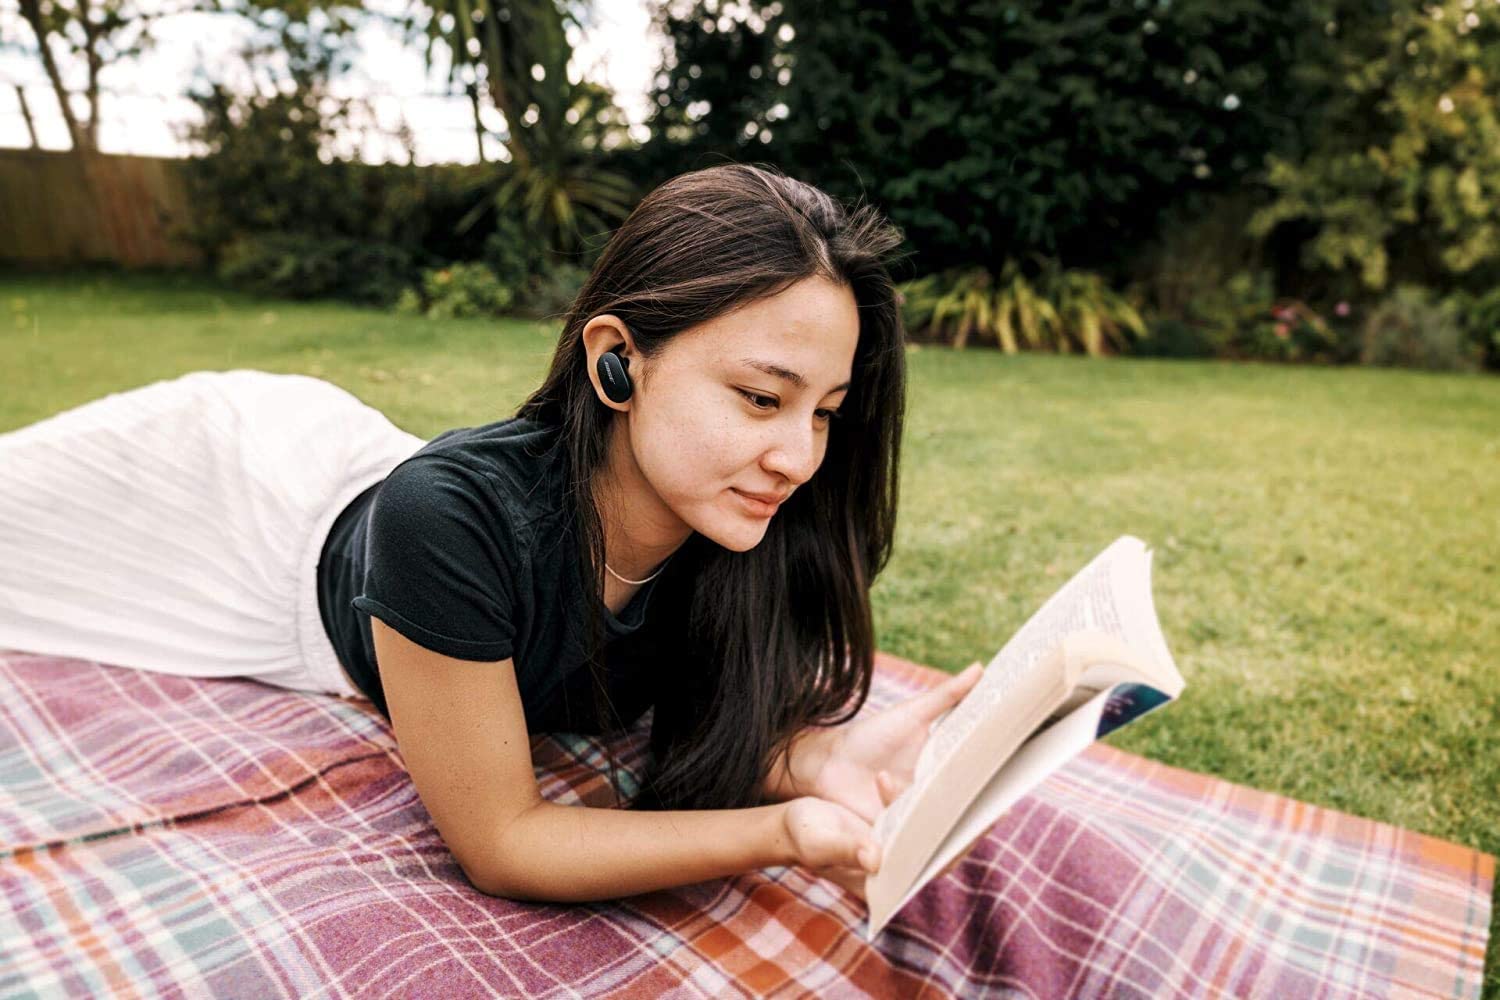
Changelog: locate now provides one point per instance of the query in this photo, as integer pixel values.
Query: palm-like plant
(1060, 310)
(1089, 311)
(517, 51)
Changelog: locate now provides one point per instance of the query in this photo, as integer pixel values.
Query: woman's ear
(601, 335)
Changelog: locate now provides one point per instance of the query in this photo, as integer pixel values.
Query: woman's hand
(854, 756)
(833, 842)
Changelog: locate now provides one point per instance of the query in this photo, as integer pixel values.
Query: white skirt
(176, 527)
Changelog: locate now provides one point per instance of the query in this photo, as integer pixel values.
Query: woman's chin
(741, 537)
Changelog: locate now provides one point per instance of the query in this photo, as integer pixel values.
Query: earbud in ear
(613, 377)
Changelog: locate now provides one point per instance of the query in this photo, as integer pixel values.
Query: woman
(687, 514)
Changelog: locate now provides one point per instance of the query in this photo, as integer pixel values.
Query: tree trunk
(495, 53)
(473, 89)
(91, 56)
(31, 10)
(26, 114)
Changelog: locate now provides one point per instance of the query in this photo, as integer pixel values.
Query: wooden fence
(59, 209)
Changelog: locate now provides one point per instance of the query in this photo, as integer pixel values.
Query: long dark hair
(780, 636)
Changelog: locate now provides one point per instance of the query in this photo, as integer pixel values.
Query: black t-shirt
(467, 548)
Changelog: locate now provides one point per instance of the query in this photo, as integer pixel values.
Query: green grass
(1327, 541)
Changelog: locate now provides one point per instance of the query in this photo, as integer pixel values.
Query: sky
(144, 99)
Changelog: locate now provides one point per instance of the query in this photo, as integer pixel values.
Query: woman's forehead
(812, 335)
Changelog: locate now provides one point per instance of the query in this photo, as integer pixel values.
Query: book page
(1087, 601)
(1095, 614)
(1036, 760)
(1096, 599)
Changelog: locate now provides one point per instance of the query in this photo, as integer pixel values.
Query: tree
(990, 128)
(90, 35)
(517, 52)
(1403, 180)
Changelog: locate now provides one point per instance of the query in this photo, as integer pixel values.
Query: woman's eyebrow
(771, 368)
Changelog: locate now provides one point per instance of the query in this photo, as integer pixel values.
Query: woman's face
(742, 405)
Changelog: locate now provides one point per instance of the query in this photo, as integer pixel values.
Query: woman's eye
(755, 397)
(763, 402)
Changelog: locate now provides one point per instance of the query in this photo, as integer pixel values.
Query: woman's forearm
(576, 853)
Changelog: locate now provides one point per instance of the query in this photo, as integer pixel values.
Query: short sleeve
(441, 560)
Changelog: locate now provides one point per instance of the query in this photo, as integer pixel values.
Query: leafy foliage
(516, 52)
(305, 266)
(1412, 328)
(550, 292)
(1479, 314)
(1403, 181)
(267, 160)
(80, 41)
(1243, 318)
(1061, 310)
(989, 129)
(458, 291)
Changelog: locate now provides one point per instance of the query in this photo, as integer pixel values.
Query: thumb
(951, 691)
(964, 679)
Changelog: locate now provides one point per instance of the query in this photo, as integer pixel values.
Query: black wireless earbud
(613, 376)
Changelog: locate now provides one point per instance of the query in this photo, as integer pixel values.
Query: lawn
(1327, 540)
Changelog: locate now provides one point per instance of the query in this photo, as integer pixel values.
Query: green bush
(992, 129)
(549, 293)
(302, 266)
(1056, 310)
(1401, 181)
(509, 254)
(1246, 321)
(458, 291)
(1479, 315)
(269, 164)
(1175, 338)
(1413, 328)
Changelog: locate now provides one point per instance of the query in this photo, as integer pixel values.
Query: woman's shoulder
(512, 465)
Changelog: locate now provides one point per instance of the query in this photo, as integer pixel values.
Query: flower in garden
(1342, 309)
(1282, 330)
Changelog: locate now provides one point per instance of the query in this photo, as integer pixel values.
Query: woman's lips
(759, 508)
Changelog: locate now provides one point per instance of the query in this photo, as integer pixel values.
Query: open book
(1091, 660)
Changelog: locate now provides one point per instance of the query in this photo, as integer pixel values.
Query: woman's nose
(795, 455)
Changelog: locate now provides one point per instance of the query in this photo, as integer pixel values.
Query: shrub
(1059, 310)
(458, 291)
(509, 254)
(1174, 338)
(1245, 320)
(984, 127)
(1401, 177)
(1413, 328)
(549, 293)
(302, 266)
(1479, 315)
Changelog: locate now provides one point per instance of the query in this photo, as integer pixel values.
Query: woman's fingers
(952, 691)
(889, 787)
(866, 849)
(850, 879)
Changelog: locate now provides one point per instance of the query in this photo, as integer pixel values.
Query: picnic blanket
(171, 836)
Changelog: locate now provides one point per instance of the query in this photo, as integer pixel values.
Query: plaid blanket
(167, 836)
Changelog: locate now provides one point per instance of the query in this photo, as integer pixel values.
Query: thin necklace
(636, 583)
